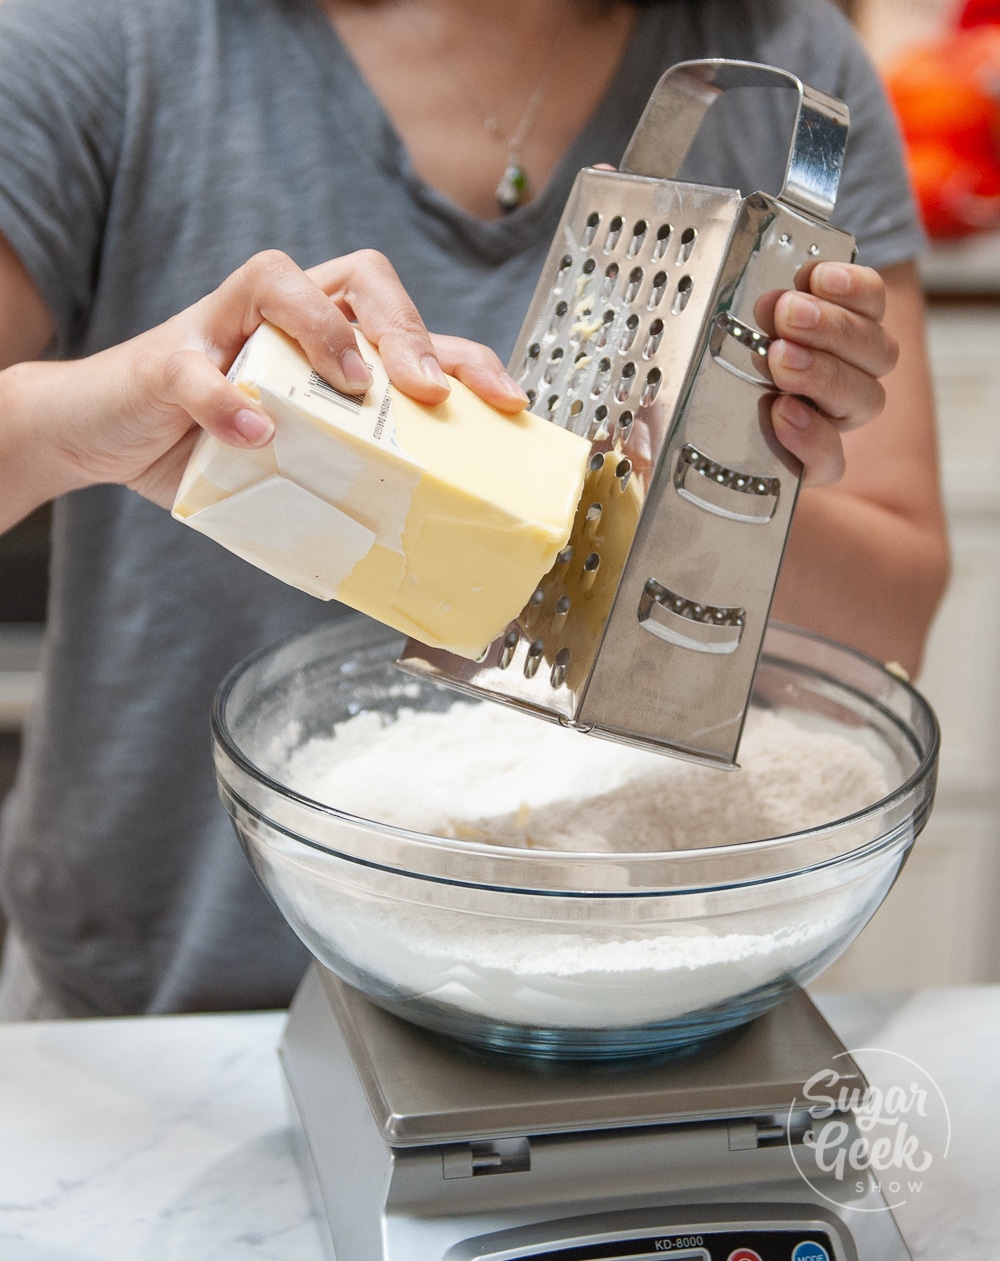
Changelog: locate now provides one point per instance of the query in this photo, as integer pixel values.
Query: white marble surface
(165, 1138)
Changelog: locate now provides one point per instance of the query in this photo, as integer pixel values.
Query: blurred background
(941, 62)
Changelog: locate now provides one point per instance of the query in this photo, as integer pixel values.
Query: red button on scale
(744, 1254)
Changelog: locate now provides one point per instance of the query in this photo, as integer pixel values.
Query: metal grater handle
(686, 91)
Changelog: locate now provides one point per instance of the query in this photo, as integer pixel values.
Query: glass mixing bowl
(556, 954)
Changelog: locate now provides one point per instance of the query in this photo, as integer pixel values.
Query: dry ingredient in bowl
(487, 773)
(483, 772)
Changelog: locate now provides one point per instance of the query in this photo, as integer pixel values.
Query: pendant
(513, 188)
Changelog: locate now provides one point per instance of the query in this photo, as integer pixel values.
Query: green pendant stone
(513, 188)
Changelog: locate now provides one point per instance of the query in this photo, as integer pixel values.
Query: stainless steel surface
(424, 1089)
(643, 336)
(628, 1192)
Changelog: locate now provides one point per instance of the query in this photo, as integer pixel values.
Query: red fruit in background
(947, 97)
(957, 197)
(979, 12)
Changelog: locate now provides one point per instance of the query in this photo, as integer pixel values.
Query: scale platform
(421, 1149)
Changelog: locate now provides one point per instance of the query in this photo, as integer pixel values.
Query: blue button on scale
(810, 1251)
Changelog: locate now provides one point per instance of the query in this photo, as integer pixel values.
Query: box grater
(642, 336)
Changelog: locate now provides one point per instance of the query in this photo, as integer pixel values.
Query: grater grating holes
(614, 233)
(534, 606)
(657, 289)
(686, 246)
(507, 650)
(601, 379)
(653, 339)
(682, 297)
(559, 667)
(651, 388)
(625, 382)
(558, 315)
(639, 230)
(663, 234)
(588, 574)
(629, 330)
(598, 426)
(623, 472)
(609, 281)
(634, 284)
(590, 228)
(536, 650)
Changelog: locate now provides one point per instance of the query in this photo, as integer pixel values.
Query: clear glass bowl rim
(916, 791)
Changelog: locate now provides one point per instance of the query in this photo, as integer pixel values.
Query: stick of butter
(438, 521)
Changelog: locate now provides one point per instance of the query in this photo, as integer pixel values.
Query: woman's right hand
(131, 414)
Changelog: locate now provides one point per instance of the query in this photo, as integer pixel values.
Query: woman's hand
(174, 381)
(131, 414)
(830, 348)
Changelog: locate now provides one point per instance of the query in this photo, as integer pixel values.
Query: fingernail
(791, 355)
(433, 372)
(801, 311)
(833, 278)
(255, 427)
(355, 369)
(796, 412)
(513, 389)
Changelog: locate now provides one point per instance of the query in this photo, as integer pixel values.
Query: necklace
(513, 189)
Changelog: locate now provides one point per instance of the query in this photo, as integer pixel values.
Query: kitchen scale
(421, 1149)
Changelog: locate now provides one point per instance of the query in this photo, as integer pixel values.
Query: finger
(856, 339)
(858, 289)
(811, 437)
(481, 370)
(365, 286)
(191, 382)
(271, 287)
(843, 392)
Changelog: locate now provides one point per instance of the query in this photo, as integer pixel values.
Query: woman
(149, 148)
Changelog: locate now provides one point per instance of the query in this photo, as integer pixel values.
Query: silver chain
(513, 188)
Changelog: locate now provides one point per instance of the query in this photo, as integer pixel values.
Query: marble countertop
(166, 1138)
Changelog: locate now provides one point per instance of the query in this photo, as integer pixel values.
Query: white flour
(487, 773)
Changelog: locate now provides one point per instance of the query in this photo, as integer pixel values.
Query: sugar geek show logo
(857, 1136)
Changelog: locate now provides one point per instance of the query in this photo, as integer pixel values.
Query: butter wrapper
(438, 521)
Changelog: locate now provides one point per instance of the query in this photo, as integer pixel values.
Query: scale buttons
(810, 1251)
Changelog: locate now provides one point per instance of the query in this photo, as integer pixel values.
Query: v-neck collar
(601, 139)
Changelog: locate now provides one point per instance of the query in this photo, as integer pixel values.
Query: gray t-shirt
(147, 149)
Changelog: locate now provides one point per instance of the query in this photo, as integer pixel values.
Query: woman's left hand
(830, 348)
